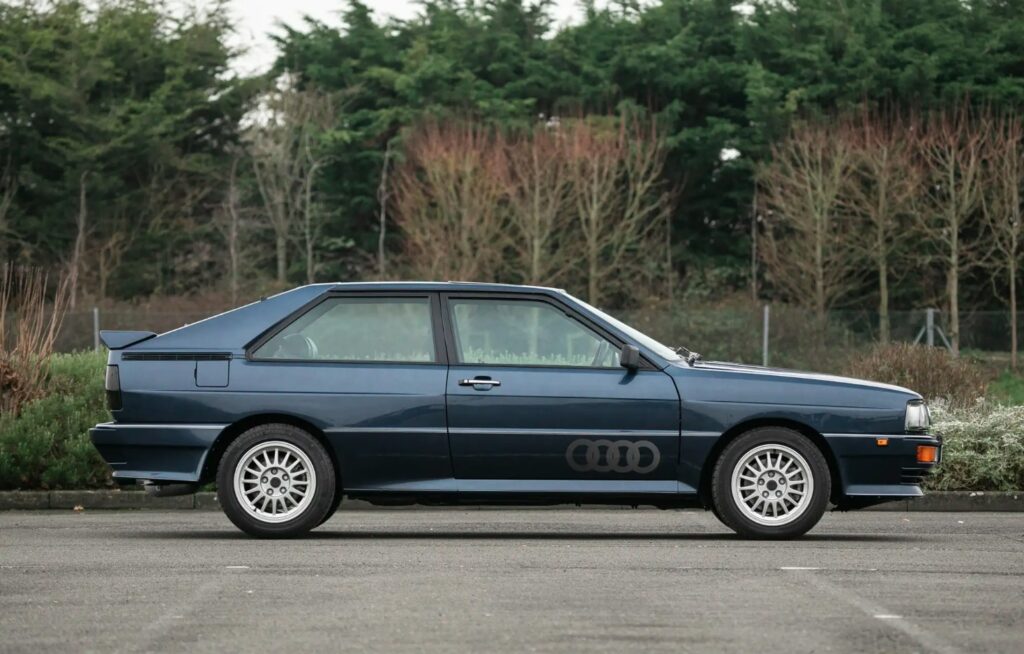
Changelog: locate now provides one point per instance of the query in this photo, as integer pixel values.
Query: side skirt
(537, 492)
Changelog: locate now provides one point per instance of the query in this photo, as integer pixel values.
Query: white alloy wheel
(274, 481)
(772, 484)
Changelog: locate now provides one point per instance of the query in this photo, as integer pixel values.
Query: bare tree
(110, 254)
(449, 195)
(1002, 210)
(952, 145)
(806, 245)
(539, 204)
(286, 160)
(885, 181)
(647, 205)
(614, 174)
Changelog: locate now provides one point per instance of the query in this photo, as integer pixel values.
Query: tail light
(113, 388)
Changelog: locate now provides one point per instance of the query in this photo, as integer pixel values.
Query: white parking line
(926, 639)
(795, 567)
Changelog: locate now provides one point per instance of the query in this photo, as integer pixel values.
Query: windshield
(643, 339)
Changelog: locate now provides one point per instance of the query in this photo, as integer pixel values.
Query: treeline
(134, 158)
(579, 203)
(879, 198)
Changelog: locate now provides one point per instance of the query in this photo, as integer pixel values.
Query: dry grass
(29, 322)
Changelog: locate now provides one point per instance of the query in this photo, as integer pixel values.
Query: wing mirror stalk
(629, 357)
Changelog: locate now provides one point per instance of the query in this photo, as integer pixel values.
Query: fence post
(930, 327)
(764, 334)
(96, 328)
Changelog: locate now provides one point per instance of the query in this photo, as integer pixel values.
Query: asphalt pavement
(510, 580)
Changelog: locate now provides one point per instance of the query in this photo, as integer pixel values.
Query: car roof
(232, 329)
(482, 287)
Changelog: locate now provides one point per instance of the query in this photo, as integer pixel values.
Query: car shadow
(494, 535)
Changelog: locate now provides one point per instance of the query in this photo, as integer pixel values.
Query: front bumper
(155, 452)
(868, 470)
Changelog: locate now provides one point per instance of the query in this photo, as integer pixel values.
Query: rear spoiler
(120, 340)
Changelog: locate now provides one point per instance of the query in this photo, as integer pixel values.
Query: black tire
(718, 514)
(740, 519)
(334, 506)
(322, 496)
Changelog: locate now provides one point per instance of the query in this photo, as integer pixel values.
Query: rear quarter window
(357, 329)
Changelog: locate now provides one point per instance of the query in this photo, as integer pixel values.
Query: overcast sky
(255, 18)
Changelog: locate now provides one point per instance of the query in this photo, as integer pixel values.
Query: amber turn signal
(881, 442)
(927, 454)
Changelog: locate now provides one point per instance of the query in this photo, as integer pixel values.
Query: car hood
(716, 381)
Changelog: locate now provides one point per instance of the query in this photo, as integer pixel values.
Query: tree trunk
(953, 290)
(382, 199)
(79, 247)
(884, 330)
(233, 231)
(536, 254)
(282, 258)
(103, 273)
(310, 261)
(753, 249)
(820, 304)
(670, 274)
(1013, 312)
(593, 266)
(883, 288)
(593, 290)
(233, 256)
(7, 189)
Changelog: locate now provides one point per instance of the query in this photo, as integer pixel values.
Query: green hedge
(47, 446)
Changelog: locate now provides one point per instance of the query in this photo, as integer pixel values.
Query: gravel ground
(510, 580)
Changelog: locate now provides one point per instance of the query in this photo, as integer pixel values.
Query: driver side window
(395, 330)
(525, 333)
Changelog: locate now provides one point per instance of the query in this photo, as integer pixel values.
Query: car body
(446, 392)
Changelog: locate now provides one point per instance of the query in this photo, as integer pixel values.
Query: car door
(369, 370)
(537, 401)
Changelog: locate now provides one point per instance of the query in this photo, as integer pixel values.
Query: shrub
(28, 331)
(930, 371)
(983, 447)
(46, 445)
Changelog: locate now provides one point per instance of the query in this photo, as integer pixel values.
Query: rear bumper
(868, 470)
(160, 453)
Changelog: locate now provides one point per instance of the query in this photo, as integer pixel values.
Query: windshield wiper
(690, 356)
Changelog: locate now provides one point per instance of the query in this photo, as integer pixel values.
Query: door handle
(479, 382)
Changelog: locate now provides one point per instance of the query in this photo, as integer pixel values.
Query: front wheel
(771, 483)
(277, 481)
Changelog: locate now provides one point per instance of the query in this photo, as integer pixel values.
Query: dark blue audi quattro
(463, 393)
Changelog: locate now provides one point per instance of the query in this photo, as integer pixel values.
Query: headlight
(917, 416)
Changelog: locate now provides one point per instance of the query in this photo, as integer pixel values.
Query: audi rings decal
(603, 455)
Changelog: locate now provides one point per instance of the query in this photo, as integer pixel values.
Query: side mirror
(629, 357)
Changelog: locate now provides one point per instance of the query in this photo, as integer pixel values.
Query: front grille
(176, 356)
(913, 475)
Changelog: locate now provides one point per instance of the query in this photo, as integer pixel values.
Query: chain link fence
(778, 335)
(791, 337)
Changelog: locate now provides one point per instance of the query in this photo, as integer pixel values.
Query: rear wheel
(771, 482)
(277, 480)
